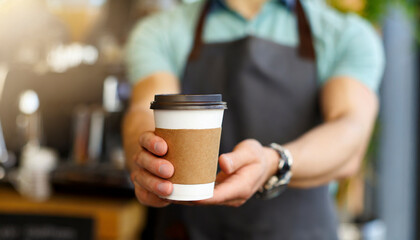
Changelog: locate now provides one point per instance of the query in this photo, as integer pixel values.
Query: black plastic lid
(188, 102)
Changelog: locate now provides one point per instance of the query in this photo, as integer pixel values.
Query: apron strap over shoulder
(306, 44)
(305, 48)
(198, 36)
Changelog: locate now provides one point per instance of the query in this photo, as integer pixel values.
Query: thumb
(231, 162)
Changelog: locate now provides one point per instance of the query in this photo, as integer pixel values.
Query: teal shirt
(345, 44)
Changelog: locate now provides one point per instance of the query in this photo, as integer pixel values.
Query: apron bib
(272, 96)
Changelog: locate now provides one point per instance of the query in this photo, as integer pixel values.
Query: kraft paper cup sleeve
(193, 152)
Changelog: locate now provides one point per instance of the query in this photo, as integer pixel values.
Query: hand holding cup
(152, 171)
(179, 160)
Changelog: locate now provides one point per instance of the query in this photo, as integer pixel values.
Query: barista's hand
(150, 171)
(244, 171)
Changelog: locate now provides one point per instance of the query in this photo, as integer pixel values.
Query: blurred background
(63, 92)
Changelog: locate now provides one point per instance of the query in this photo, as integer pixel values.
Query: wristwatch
(277, 183)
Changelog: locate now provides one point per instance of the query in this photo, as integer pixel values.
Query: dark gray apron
(272, 96)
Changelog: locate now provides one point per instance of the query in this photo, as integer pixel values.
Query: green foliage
(375, 10)
(413, 9)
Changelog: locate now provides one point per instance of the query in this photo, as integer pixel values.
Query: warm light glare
(29, 102)
(63, 57)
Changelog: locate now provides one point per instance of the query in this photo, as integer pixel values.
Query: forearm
(136, 121)
(335, 149)
(331, 151)
(139, 117)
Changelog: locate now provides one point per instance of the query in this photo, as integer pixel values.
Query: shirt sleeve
(360, 54)
(147, 50)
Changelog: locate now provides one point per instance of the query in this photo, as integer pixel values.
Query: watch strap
(277, 183)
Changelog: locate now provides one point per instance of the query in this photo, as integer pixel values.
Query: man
(294, 73)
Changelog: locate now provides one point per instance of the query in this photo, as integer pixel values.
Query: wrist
(272, 162)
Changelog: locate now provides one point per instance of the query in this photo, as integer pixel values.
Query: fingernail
(165, 170)
(162, 187)
(159, 148)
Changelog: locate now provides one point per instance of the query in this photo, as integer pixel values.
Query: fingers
(150, 169)
(233, 190)
(155, 165)
(149, 199)
(245, 153)
(153, 143)
(149, 187)
(144, 194)
(242, 175)
(220, 197)
(152, 183)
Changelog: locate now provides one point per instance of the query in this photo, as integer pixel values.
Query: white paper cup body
(189, 119)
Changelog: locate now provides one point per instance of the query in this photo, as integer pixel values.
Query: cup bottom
(194, 192)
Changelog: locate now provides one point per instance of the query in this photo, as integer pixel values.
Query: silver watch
(277, 183)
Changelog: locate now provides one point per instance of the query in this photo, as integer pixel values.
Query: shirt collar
(290, 4)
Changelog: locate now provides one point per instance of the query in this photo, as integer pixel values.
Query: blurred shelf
(97, 180)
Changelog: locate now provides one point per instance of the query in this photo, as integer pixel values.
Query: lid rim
(188, 102)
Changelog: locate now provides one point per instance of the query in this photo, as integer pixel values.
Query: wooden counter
(112, 218)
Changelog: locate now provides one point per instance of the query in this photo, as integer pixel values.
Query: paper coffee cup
(191, 125)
